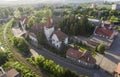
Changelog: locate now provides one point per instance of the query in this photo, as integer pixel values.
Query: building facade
(116, 7)
(48, 28)
(58, 38)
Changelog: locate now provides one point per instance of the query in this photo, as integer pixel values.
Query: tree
(31, 21)
(71, 25)
(68, 73)
(41, 37)
(114, 19)
(50, 67)
(100, 48)
(3, 57)
(23, 69)
(21, 44)
(20, 9)
(17, 14)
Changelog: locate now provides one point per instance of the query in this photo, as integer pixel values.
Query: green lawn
(118, 28)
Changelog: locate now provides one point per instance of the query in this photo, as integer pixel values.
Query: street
(67, 64)
(111, 58)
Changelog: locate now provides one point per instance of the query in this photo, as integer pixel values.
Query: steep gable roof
(74, 53)
(86, 57)
(49, 23)
(61, 36)
(36, 28)
(104, 32)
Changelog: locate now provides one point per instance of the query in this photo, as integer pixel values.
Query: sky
(48, 1)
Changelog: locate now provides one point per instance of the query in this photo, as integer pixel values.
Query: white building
(116, 7)
(48, 28)
(58, 37)
(93, 6)
(23, 22)
(2, 72)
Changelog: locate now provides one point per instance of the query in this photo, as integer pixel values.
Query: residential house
(58, 38)
(48, 28)
(34, 30)
(116, 7)
(109, 34)
(23, 22)
(94, 6)
(104, 35)
(107, 25)
(12, 73)
(117, 71)
(78, 56)
(2, 72)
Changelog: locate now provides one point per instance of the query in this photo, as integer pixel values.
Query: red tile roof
(104, 32)
(80, 56)
(118, 69)
(61, 36)
(49, 23)
(73, 53)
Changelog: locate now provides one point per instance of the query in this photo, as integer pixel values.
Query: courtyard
(109, 61)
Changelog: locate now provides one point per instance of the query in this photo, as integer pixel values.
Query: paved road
(111, 58)
(67, 64)
(19, 57)
(116, 44)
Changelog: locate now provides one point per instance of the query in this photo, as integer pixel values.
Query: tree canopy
(21, 44)
(114, 19)
(23, 69)
(3, 57)
(41, 37)
(74, 25)
(31, 21)
(51, 67)
(100, 48)
(17, 14)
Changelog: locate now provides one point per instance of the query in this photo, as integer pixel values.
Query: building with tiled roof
(58, 37)
(36, 28)
(107, 25)
(23, 21)
(49, 23)
(109, 34)
(61, 36)
(116, 7)
(76, 55)
(48, 28)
